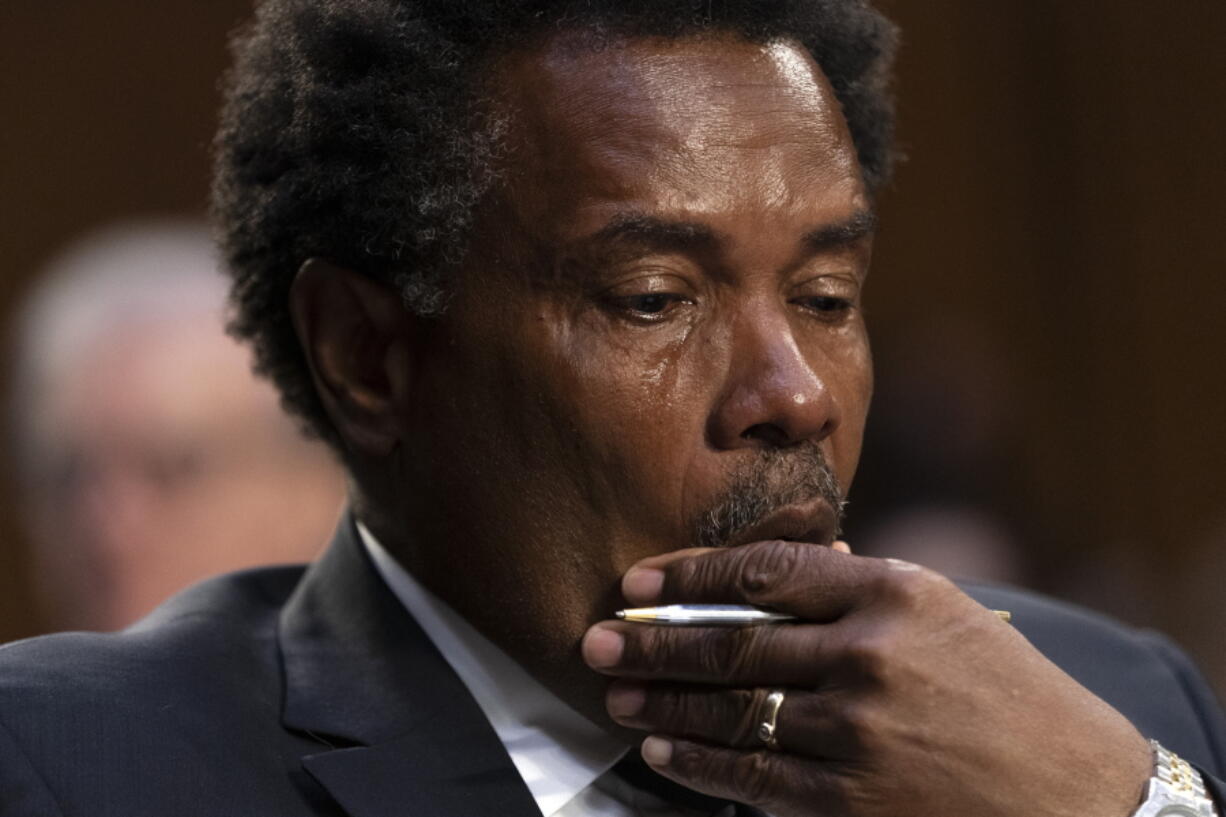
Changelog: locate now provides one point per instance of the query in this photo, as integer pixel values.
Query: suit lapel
(419, 775)
(360, 674)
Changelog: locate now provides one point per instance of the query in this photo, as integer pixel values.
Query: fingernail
(842, 547)
(625, 700)
(602, 647)
(657, 751)
(642, 585)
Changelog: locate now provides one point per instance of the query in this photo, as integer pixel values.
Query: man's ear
(356, 335)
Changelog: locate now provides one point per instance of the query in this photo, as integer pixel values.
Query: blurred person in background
(147, 454)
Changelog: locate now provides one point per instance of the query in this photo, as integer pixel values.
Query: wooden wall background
(1063, 203)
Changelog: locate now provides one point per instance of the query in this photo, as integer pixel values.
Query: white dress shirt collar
(557, 751)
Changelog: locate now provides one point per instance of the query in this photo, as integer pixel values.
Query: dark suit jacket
(273, 692)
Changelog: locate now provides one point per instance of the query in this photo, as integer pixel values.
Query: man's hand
(903, 695)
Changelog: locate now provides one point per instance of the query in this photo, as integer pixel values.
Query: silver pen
(721, 615)
(704, 615)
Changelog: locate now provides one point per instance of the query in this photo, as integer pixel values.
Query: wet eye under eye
(647, 306)
(652, 303)
(826, 304)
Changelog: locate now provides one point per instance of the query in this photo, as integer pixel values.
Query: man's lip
(812, 521)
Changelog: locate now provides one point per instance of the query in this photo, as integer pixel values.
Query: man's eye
(826, 306)
(649, 305)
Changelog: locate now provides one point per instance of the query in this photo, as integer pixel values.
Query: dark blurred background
(1046, 302)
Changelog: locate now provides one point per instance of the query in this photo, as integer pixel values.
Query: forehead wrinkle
(655, 90)
(668, 133)
(564, 120)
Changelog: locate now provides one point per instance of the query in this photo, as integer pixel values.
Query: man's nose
(776, 393)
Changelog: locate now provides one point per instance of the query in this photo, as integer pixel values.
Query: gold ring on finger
(768, 727)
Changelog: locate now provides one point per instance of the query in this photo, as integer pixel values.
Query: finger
(806, 723)
(812, 581)
(804, 655)
(644, 581)
(841, 547)
(778, 783)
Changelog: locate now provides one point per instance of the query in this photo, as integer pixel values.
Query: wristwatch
(1175, 790)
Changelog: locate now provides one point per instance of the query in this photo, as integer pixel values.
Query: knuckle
(824, 783)
(726, 653)
(693, 761)
(700, 763)
(860, 727)
(656, 647)
(869, 656)
(712, 654)
(698, 576)
(851, 789)
(912, 587)
(753, 776)
(723, 716)
(668, 707)
(764, 566)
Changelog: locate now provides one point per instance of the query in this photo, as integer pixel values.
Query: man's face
(656, 340)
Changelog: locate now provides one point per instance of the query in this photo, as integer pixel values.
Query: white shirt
(559, 753)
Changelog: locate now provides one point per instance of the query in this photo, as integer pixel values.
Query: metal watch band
(1175, 790)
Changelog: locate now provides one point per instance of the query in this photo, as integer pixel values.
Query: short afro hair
(351, 130)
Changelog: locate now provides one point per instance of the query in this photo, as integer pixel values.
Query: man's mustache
(779, 477)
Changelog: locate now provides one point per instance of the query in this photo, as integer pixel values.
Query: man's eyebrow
(636, 228)
(862, 224)
(657, 233)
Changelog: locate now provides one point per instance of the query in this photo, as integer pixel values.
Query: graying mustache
(778, 479)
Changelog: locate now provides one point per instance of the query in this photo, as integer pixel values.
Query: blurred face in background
(163, 460)
(151, 456)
